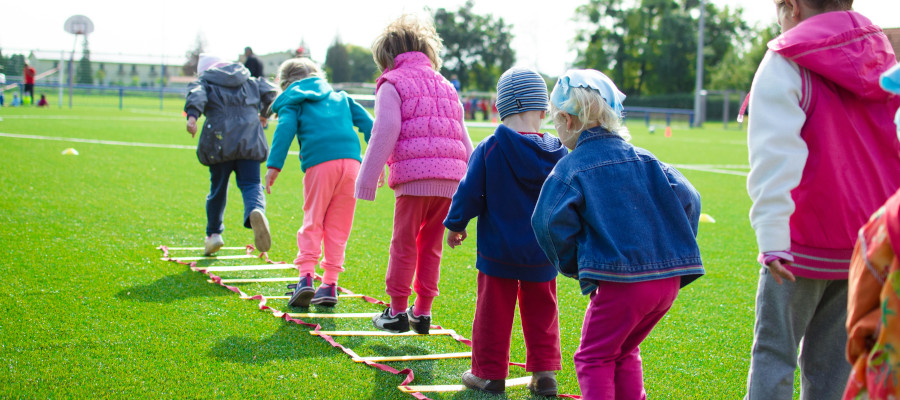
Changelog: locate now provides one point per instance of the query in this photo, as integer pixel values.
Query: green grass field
(90, 310)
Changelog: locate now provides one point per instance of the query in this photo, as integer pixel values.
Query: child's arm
(361, 118)
(686, 193)
(194, 105)
(385, 132)
(556, 224)
(267, 94)
(467, 141)
(285, 132)
(469, 200)
(777, 154)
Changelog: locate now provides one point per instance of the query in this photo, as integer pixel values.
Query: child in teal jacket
(322, 121)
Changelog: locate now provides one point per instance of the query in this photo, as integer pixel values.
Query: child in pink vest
(823, 157)
(419, 133)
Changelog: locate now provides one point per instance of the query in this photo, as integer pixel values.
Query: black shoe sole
(301, 298)
(324, 301)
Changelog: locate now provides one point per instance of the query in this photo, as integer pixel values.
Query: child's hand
(264, 121)
(455, 238)
(779, 271)
(192, 125)
(381, 177)
(271, 174)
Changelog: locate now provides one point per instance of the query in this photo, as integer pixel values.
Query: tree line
(648, 47)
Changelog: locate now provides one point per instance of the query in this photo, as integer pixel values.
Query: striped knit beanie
(519, 90)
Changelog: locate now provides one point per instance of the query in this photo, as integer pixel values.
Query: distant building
(117, 70)
(893, 35)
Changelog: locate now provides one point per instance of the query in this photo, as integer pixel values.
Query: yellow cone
(707, 218)
(70, 151)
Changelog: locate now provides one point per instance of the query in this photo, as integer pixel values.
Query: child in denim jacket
(621, 222)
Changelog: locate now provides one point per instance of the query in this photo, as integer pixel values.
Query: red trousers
(495, 311)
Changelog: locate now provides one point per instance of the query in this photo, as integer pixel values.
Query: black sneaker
(325, 296)
(543, 383)
(483, 385)
(394, 324)
(420, 323)
(303, 292)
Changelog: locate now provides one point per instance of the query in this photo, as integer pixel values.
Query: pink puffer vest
(430, 145)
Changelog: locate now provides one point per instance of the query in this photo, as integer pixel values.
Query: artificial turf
(89, 309)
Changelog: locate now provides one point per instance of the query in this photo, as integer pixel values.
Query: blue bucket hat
(586, 78)
(890, 81)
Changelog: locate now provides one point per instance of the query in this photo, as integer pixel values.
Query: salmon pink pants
(328, 206)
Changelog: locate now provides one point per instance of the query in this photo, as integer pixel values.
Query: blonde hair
(296, 69)
(405, 34)
(592, 111)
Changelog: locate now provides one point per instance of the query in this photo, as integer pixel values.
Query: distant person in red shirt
(43, 102)
(29, 81)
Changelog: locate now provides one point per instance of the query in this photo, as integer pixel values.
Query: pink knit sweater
(385, 134)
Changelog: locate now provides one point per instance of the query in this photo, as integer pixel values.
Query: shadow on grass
(290, 342)
(188, 284)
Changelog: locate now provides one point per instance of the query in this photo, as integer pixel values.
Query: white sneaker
(261, 236)
(214, 242)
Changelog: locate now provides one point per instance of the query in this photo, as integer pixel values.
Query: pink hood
(831, 45)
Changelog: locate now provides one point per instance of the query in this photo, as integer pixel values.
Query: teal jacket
(322, 120)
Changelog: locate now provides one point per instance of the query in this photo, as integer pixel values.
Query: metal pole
(725, 110)
(698, 120)
(62, 74)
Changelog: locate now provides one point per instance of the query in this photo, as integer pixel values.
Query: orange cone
(668, 131)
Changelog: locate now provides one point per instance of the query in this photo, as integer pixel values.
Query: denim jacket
(610, 211)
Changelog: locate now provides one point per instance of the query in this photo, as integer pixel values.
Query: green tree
(362, 66)
(649, 47)
(476, 47)
(13, 65)
(337, 62)
(101, 76)
(83, 73)
(738, 67)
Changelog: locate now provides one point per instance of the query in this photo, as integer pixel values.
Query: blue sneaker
(326, 296)
(303, 292)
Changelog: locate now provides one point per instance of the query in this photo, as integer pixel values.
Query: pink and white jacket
(823, 150)
(418, 132)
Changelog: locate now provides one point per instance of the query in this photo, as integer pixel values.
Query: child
(322, 120)
(232, 140)
(501, 187)
(822, 159)
(873, 343)
(419, 133)
(43, 101)
(621, 222)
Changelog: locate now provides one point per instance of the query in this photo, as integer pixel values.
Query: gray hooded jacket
(231, 101)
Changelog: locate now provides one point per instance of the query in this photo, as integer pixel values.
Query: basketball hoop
(79, 25)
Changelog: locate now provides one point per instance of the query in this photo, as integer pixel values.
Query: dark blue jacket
(501, 187)
(610, 211)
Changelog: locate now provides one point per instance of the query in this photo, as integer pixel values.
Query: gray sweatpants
(813, 310)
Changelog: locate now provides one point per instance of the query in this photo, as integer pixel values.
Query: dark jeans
(246, 173)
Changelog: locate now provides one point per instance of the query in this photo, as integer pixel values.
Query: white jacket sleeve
(777, 152)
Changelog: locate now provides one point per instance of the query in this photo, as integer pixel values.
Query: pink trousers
(495, 311)
(328, 206)
(618, 318)
(416, 251)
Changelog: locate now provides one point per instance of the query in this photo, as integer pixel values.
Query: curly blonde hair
(405, 34)
(592, 111)
(296, 69)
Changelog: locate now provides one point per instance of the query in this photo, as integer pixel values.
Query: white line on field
(107, 142)
(718, 169)
(85, 118)
(710, 168)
